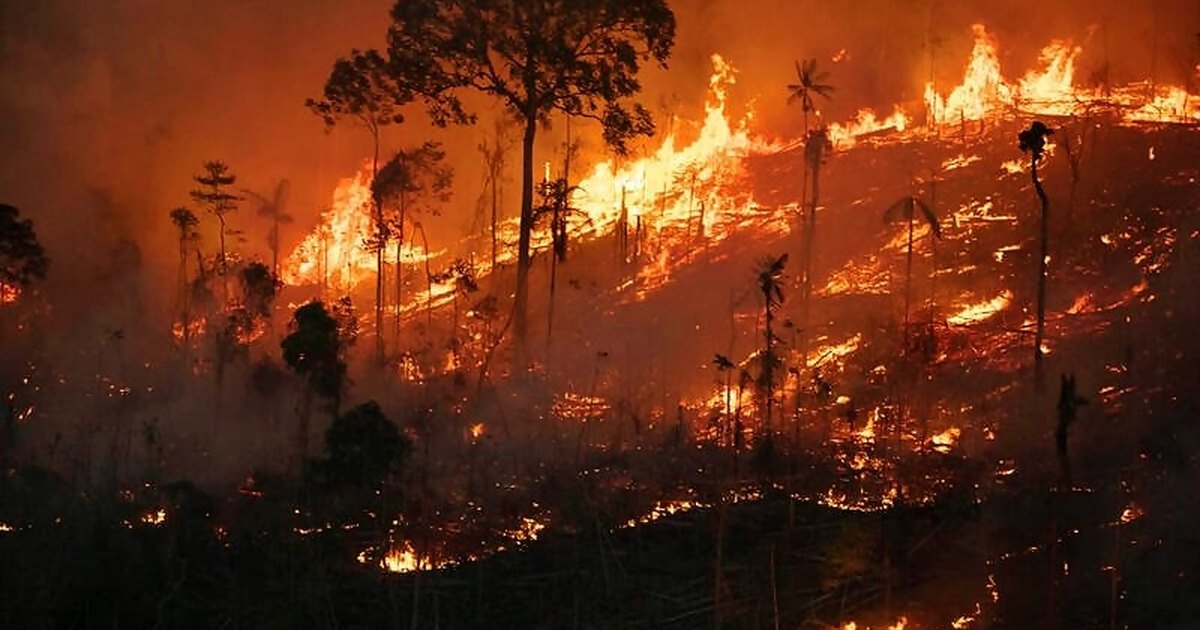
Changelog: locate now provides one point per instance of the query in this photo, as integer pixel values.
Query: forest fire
(689, 344)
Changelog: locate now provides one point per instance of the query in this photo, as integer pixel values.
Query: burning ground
(900, 471)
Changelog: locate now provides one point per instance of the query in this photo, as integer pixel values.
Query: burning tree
(1033, 142)
(214, 196)
(580, 57)
(363, 88)
(414, 179)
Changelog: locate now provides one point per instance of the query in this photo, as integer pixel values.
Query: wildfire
(982, 311)
(335, 254)
(399, 559)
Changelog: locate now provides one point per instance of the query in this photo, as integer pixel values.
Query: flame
(1048, 90)
(982, 89)
(1131, 513)
(975, 313)
(400, 558)
(155, 517)
(9, 293)
(195, 328)
(335, 252)
(477, 430)
(867, 122)
(900, 624)
(943, 442)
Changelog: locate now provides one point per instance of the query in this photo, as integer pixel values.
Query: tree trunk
(377, 209)
(809, 242)
(768, 368)
(908, 277)
(1042, 270)
(224, 267)
(524, 260)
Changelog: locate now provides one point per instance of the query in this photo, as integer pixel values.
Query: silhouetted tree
(769, 279)
(314, 350)
(213, 195)
(555, 203)
(414, 180)
(1069, 402)
(495, 156)
(363, 88)
(809, 84)
(274, 209)
(362, 447)
(22, 259)
(907, 209)
(580, 57)
(185, 222)
(1033, 142)
(816, 147)
(259, 288)
(725, 366)
(462, 273)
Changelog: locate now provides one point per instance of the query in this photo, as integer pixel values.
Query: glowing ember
(975, 313)
(662, 509)
(1131, 513)
(900, 624)
(9, 293)
(155, 518)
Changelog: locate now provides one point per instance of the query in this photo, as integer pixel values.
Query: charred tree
(1033, 142)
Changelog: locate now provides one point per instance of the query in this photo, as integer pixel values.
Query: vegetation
(364, 89)
(580, 57)
(22, 259)
(1033, 142)
(215, 197)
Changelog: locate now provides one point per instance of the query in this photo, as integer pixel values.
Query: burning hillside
(921, 366)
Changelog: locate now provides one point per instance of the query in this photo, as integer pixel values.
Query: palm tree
(816, 147)
(1033, 142)
(769, 277)
(725, 366)
(907, 209)
(273, 209)
(809, 84)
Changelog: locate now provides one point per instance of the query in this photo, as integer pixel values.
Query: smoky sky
(108, 108)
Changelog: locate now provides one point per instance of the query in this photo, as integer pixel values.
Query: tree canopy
(581, 57)
(578, 57)
(22, 259)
